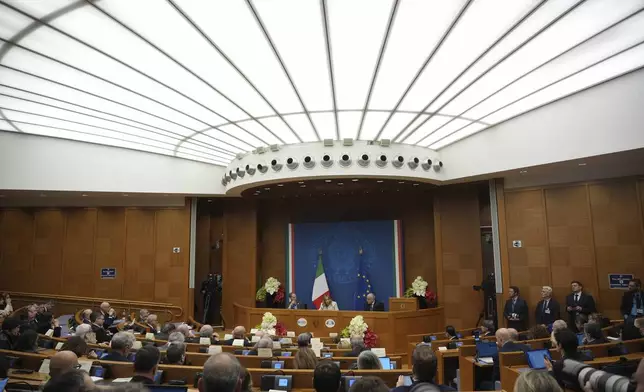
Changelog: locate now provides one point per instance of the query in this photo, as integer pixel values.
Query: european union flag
(363, 285)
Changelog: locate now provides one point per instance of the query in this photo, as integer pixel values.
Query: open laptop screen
(536, 358)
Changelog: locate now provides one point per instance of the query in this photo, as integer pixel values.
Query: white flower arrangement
(419, 286)
(272, 285)
(357, 327)
(268, 323)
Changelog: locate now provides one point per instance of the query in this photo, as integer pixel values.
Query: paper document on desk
(44, 366)
(486, 360)
(94, 378)
(85, 365)
(122, 379)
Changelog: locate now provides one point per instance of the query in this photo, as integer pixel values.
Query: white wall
(29, 162)
(605, 119)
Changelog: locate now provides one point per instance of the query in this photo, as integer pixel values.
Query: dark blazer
(509, 347)
(229, 342)
(115, 356)
(377, 307)
(549, 315)
(441, 388)
(298, 305)
(587, 303)
(520, 308)
(109, 320)
(627, 302)
(354, 353)
(102, 336)
(142, 380)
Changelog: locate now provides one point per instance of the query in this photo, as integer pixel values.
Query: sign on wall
(108, 273)
(619, 281)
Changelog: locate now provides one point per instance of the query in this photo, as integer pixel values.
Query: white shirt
(333, 306)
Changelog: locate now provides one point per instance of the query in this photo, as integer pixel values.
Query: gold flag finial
(360, 250)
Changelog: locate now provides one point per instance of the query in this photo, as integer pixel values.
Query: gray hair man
(221, 373)
(367, 360)
(121, 345)
(372, 305)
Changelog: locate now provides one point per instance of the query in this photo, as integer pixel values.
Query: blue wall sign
(619, 281)
(108, 273)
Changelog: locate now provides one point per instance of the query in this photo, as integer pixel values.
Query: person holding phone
(424, 368)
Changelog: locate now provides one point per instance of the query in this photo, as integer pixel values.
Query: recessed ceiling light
(84, 195)
(209, 200)
(401, 182)
(125, 194)
(267, 189)
(415, 184)
(340, 183)
(523, 172)
(280, 184)
(302, 186)
(582, 164)
(43, 195)
(355, 180)
(380, 181)
(327, 180)
(300, 182)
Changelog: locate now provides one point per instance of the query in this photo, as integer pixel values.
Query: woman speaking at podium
(328, 303)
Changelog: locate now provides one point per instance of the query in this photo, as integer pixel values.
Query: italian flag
(320, 286)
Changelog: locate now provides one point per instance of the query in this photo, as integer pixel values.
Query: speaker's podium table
(392, 328)
(403, 304)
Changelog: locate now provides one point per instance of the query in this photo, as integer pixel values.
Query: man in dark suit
(121, 345)
(146, 365)
(633, 301)
(547, 310)
(578, 302)
(102, 336)
(239, 332)
(372, 305)
(293, 303)
(506, 340)
(516, 310)
(109, 314)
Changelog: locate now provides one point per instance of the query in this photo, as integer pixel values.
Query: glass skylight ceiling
(207, 79)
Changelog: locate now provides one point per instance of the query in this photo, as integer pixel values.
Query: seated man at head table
(424, 367)
(328, 303)
(121, 345)
(221, 373)
(293, 303)
(239, 332)
(327, 377)
(109, 314)
(372, 305)
(146, 365)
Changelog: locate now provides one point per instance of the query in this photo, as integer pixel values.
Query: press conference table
(392, 328)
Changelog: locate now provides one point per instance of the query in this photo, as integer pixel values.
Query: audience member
(247, 381)
(71, 381)
(32, 318)
(97, 319)
(639, 323)
(580, 321)
(578, 302)
(515, 310)
(121, 345)
(593, 334)
(599, 319)
(327, 377)
(328, 303)
(369, 384)
(146, 364)
(167, 329)
(638, 377)
(46, 322)
(221, 373)
(143, 316)
(108, 313)
(424, 367)
(264, 342)
(86, 316)
(239, 332)
(185, 330)
(305, 359)
(566, 343)
(9, 334)
(632, 305)
(61, 363)
(344, 344)
(548, 309)
(78, 346)
(487, 328)
(152, 324)
(27, 342)
(85, 332)
(450, 333)
(207, 331)
(559, 324)
(176, 338)
(535, 381)
(304, 340)
(357, 346)
(176, 354)
(368, 360)
(630, 332)
(538, 331)
(5, 305)
(506, 340)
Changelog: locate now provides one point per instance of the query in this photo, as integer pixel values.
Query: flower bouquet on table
(426, 298)
(358, 328)
(269, 322)
(280, 329)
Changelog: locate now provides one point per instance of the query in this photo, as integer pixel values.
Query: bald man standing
(372, 305)
(221, 373)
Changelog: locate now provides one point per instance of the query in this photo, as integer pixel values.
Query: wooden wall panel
(16, 248)
(171, 270)
(576, 232)
(570, 237)
(110, 251)
(240, 255)
(78, 252)
(418, 243)
(618, 236)
(274, 223)
(459, 254)
(139, 255)
(49, 231)
(530, 264)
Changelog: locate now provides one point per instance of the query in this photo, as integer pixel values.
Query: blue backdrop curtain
(358, 258)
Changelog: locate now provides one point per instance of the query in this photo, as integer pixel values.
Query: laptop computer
(3, 384)
(580, 339)
(485, 351)
(536, 358)
(385, 362)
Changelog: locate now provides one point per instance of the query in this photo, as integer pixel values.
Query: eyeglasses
(77, 366)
